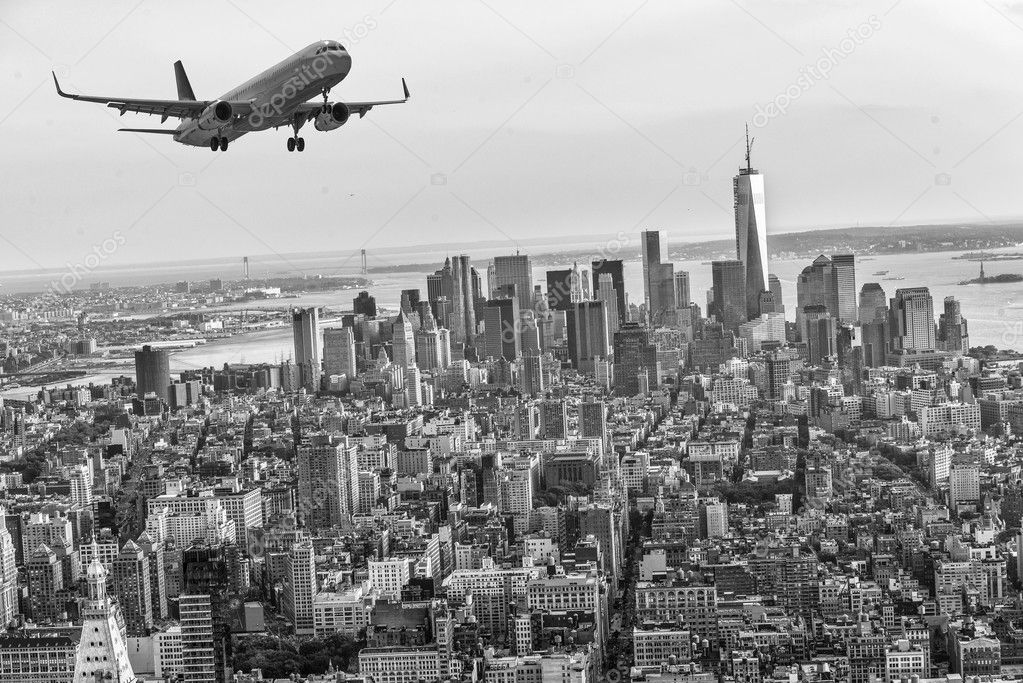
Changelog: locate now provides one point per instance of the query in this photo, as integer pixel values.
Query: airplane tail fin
(184, 87)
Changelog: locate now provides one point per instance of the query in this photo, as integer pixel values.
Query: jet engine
(333, 119)
(216, 115)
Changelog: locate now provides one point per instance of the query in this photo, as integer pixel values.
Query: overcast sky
(528, 119)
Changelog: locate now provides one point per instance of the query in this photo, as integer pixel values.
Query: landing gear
(295, 142)
(326, 94)
(218, 143)
(223, 144)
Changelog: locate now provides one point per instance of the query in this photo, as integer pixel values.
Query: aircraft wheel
(291, 144)
(300, 145)
(223, 144)
(214, 144)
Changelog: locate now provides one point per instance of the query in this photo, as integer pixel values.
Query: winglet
(403, 86)
(56, 83)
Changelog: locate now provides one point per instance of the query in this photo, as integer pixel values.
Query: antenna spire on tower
(749, 146)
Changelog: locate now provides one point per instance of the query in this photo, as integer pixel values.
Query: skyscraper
(844, 266)
(821, 333)
(615, 269)
(328, 478)
(531, 380)
(339, 352)
(608, 293)
(365, 304)
(301, 587)
(658, 278)
(102, 654)
(133, 589)
(682, 294)
(873, 303)
(559, 289)
(501, 329)
(751, 231)
(198, 646)
(952, 329)
(463, 305)
(816, 286)
(518, 271)
(730, 293)
(305, 325)
(152, 372)
(403, 341)
(588, 335)
(911, 320)
(774, 284)
(634, 355)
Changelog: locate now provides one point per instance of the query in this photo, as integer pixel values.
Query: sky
(527, 119)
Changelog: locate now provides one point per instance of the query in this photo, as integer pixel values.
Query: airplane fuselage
(275, 93)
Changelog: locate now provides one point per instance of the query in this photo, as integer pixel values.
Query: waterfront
(994, 311)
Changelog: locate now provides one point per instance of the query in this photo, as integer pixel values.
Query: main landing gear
(218, 144)
(326, 94)
(296, 143)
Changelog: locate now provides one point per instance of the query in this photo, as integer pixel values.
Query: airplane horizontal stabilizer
(158, 131)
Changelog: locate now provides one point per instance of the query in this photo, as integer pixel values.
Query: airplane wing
(311, 109)
(181, 109)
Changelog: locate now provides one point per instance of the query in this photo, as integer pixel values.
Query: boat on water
(895, 278)
(881, 272)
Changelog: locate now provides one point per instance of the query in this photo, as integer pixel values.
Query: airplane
(279, 96)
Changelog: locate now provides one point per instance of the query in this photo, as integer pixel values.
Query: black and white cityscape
(709, 448)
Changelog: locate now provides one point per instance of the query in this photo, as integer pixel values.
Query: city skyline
(941, 147)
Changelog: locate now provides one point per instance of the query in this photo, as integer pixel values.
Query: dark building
(559, 289)
(588, 334)
(729, 293)
(365, 304)
(501, 329)
(152, 372)
(410, 299)
(616, 270)
(634, 354)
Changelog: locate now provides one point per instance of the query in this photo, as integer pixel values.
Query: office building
(873, 303)
(816, 285)
(301, 587)
(609, 295)
(328, 479)
(953, 334)
(305, 326)
(198, 645)
(844, 268)
(730, 294)
(501, 329)
(553, 420)
(821, 335)
(911, 320)
(634, 355)
(133, 589)
(615, 269)
(588, 334)
(339, 352)
(682, 294)
(365, 304)
(403, 341)
(559, 289)
(152, 372)
(751, 233)
(658, 279)
(516, 271)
